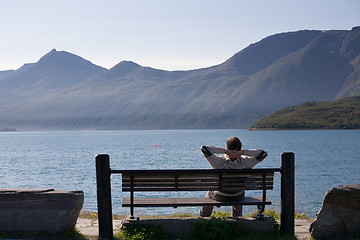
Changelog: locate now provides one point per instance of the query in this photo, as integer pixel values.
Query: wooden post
(287, 226)
(104, 196)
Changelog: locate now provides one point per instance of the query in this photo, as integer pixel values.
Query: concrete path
(302, 229)
(89, 228)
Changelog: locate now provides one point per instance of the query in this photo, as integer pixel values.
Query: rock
(339, 214)
(35, 210)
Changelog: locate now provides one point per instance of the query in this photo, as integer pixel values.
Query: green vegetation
(267, 212)
(340, 114)
(142, 232)
(94, 216)
(220, 214)
(302, 216)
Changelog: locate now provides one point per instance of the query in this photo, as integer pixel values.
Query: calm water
(65, 160)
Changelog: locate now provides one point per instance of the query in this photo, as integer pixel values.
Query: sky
(163, 34)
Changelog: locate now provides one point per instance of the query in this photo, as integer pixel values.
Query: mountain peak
(130, 64)
(51, 53)
(58, 55)
(58, 69)
(124, 67)
(62, 60)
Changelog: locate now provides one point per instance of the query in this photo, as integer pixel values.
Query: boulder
(339, 214)
(35, 210)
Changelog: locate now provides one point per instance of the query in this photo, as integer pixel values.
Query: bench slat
(197, 180)
(210, 185)
(196, 183)
(197, 175)
(194, 188)
(196, 171)
(194, 177)
(188, 202)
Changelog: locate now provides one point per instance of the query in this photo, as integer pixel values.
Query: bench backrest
(197, 180)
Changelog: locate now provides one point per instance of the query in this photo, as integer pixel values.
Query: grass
(94, 216)
(302, 216)
(267, 212)
(216, 213)
(142, 232)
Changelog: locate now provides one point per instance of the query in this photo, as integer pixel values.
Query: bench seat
(189, 202)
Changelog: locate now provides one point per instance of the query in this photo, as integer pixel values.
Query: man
(233, 158)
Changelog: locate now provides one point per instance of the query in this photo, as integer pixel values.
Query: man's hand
(233, 154)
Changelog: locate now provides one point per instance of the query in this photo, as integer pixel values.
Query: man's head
(233, 143)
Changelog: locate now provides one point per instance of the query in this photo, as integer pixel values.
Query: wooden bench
(195, 180)
(181, 180)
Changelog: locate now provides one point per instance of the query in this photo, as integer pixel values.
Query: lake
(65, 160)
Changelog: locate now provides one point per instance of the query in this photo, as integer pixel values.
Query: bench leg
(132, 218)
(287, 226)
(104, 196)
(260, 214)
(237, 211)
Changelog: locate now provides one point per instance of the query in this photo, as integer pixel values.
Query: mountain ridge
(65, 91)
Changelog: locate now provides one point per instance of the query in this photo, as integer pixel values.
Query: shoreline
(291, 129)
(6, 129)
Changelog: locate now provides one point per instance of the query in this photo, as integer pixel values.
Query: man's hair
(233, 143)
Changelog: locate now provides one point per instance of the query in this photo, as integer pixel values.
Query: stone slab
(36, 210)
(184, 226)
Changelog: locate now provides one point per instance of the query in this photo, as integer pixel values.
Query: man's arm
(256, 153)
(245, 158)
(261, 156)
(251, 157)
(210, 152)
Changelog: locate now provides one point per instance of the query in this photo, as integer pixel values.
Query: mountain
(57, 69)
(339, 114)
(65, 91)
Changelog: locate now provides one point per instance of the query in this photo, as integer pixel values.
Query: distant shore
(6, 129)
(264, 129)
